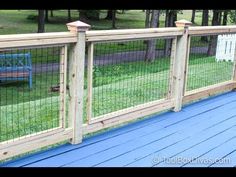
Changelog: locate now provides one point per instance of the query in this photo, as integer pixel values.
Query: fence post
(76, 87)
(179, 73)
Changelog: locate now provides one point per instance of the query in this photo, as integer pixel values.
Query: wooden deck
(201, 134)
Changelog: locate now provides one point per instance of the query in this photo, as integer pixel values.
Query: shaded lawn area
(24, 21)
(115, 87)
(18, 22)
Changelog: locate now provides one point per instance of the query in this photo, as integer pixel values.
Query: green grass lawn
(18, 92)
(28, 117)
(115, 87)
(21, 21)
(17, 22)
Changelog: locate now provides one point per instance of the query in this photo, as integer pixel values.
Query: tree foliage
(232, 16)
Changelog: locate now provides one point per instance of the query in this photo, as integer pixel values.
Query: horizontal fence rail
(131, 34)
(205, 30)
(23, 40)
(58, 87)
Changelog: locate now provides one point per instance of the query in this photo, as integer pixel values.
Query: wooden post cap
(183, 23)
(77, 26)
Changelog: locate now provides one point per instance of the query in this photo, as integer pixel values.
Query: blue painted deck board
(177, 137)
(186, 143)
(115, 142)
(198, 130)
(232, 163)
(212, 156)
(149, 140)
(114, 132)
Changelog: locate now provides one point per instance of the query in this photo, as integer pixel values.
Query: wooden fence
(73, 45)
(225, 47)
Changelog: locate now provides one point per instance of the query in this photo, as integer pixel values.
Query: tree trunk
(83, 16)
(69, 16)
(46, 16)
(109, 15)
(174, 17)
(51, 13)
(213, 39)
(113, 19)
(167, 18)
(205, 17)
(193, 16)
(41, 21)
(147, 20)
(167, 41)
(151, 45)
(169, 22)
(220, 18)
(225, 17)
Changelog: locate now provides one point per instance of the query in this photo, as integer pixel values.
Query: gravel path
(113, 58)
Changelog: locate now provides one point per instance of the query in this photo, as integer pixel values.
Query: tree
(109, 15)
(51, 13)
(41, 21)
(46, 16)
(213, 39)
(232, 16)
(85, 15)
(225, 17)
(147, 22)
(151, 44)
(193, 16)
(166, 18)
(220, 17)
(69, 16)
(113, 19)
(147, 19)
(205, 18)
(170, 18)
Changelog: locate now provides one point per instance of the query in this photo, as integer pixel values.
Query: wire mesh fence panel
(128, 73)
(204, 66)
(29, 91)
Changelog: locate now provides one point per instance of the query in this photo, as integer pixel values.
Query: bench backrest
(13, 62)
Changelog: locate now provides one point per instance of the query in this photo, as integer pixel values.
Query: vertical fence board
(186, 65)
(90, 81)
(172, 68)
(70, 82)
(234, 66)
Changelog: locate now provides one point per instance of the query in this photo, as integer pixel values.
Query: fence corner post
(76, 78)
(179, 73)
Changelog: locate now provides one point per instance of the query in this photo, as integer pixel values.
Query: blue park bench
(16, 67)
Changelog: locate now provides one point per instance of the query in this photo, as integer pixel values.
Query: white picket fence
(225, 49)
